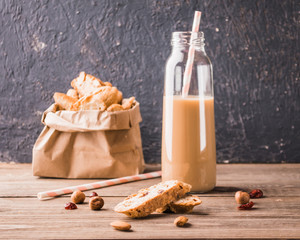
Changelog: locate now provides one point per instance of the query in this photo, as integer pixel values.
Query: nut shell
(242, 197)
(122, 226)
(96, 203)
(180, 221)
(78, 197)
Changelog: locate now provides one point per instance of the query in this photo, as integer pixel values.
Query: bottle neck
(183, 40)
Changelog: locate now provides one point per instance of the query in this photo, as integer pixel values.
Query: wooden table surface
(276, 216)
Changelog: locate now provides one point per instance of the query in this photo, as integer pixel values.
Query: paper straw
(101, 184)
(191, 55)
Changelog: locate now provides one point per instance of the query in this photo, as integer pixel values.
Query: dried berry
(96, 203)
(93, 194)
(70, 206)
(246, 206)
(77, 197)
(256, 193)
(242, 197)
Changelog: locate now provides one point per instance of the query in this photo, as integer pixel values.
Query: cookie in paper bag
(86, 84)
(99, 100)
(64, 101)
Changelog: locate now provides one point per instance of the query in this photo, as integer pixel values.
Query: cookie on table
(182, 205)
(148, 200)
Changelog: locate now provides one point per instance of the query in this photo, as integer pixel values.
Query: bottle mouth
(187, 38)
(188, 34)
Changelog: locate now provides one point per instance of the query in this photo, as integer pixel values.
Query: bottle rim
(187, 37)
(187, 33)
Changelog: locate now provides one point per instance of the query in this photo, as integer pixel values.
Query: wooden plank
(217, 217)
(275, 179)
(275, 216)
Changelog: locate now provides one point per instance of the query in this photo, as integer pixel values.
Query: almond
(122, 226)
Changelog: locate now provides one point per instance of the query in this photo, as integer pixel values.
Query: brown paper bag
(89, 144)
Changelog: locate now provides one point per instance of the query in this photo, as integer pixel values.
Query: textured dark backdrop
(253, 45)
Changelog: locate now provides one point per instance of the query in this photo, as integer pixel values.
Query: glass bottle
(188, 132)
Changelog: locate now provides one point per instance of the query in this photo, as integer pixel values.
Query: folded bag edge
(90, 120)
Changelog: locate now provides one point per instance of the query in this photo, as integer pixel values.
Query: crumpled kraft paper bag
(89, 144)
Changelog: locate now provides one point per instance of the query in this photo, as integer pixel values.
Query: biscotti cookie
(64, 101)
(182, 205)
(148, 200)
(72, 93)
(99, 100)
(86, 84)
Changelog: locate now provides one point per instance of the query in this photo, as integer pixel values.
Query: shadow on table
(221, 189)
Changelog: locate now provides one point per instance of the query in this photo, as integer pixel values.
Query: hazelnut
(122, 226)
(96, 203)
(242, 197)
(180, 221)
(77, 197)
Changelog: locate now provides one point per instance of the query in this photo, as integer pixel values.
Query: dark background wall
(253, 45)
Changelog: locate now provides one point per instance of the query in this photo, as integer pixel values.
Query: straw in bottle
(189, 65)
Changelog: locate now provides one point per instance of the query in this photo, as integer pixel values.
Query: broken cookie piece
(148, 200)
(182, 205)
